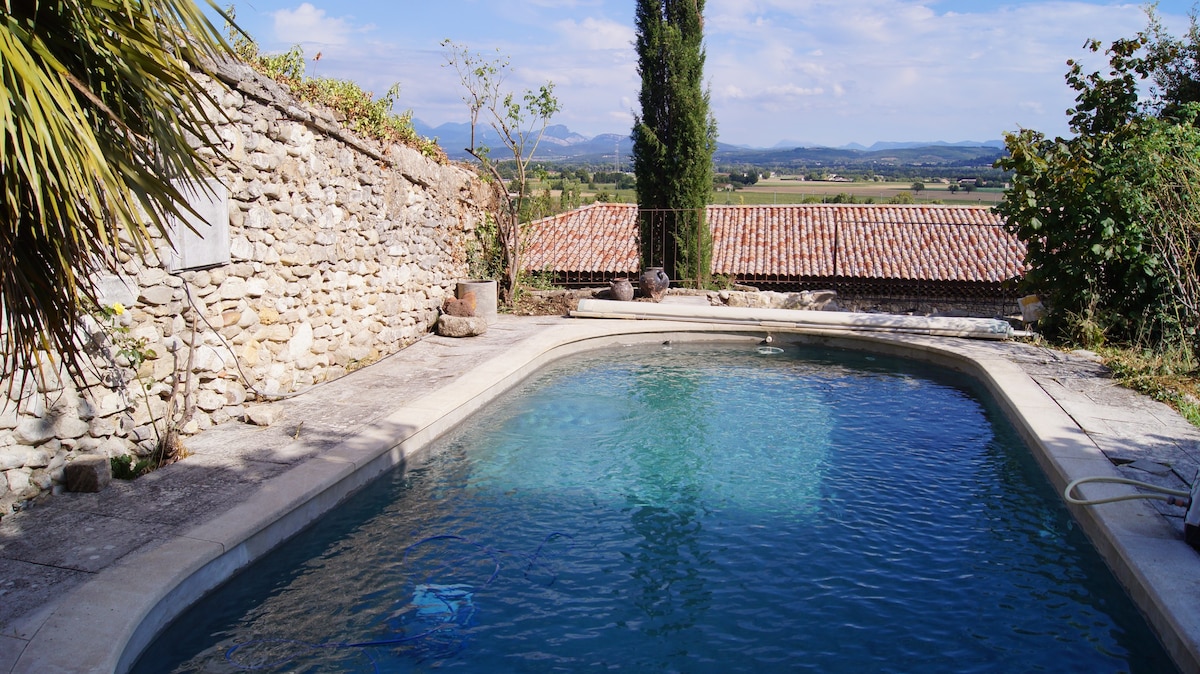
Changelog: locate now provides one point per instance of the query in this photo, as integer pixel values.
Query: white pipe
(780, 319)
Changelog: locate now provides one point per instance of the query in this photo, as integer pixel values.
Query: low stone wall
(340, 251)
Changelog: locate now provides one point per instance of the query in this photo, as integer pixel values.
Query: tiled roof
(595, 238)
(897, 242)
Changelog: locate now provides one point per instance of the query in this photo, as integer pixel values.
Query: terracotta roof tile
(596, 238)
(896, 242)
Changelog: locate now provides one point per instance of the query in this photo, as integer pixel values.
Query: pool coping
(114, 616)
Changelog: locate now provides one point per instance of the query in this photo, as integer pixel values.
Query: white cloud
(307, 25)
(832, 71)
(595, 34)
(879, 69)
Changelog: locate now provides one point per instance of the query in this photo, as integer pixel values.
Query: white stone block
(32, 431)
(14, 456)
(255, 287)
(240, 248)
(234, 288)
(69, 427)
(301, 342)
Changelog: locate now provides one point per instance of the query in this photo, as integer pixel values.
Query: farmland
(792, 191)
(786, 190)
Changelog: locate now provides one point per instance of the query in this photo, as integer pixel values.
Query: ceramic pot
(620, 289)
(654, 283)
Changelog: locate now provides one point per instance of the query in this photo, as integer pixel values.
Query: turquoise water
(692, 509)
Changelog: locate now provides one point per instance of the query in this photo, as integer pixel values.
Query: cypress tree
(674, 138)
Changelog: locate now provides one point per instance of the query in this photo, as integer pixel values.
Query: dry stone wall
(339, 252)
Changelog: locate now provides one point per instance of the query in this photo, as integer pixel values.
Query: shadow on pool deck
(65, 541)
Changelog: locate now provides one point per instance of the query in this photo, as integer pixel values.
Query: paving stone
(25, 587)
(80, 541)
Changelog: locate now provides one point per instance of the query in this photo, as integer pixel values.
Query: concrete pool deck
(87, 580)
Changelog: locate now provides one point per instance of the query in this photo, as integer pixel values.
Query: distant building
(920, 252)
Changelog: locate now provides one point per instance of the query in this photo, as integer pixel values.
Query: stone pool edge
(109, 620)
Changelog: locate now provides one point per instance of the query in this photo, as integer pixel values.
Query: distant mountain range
(563, 145)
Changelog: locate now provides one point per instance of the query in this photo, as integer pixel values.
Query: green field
(785, 191)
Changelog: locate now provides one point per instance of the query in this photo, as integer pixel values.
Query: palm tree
(98, 104)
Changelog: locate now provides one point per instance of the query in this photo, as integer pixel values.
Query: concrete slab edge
(116, 615)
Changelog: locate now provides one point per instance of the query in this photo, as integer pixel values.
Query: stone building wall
(340, 251)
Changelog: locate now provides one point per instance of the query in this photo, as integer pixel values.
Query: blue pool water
(692, 509)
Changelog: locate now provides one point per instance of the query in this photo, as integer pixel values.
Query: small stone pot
(485, 297)
(654, 283)
(620, 289)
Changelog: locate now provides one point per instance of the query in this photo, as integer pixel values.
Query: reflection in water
(669, 462)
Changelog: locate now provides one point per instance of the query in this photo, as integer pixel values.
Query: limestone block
(255, 287)
(234, 288)
(263, 161)
(461, 326)
(157, 296)
(88, 474)
(40, 457)
(8, 416)
(110, 403)
(113, 447)
(309, 361)
(268, 316)
(103, 427)
(265, 254)
(86, 410)
(152, 276)
(18, 480)
(14, 456)
(210, 401)
(235, 393)
(34, 431)
(50, 381)
(263, 415)
(301, 342)
(199, 279)
(69, 427)
(273, 333)
(251, 353)
(240, 248)
(260, 218)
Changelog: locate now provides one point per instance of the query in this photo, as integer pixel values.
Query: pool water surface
(692, 508)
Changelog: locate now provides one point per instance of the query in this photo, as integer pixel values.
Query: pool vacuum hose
(1184, 499)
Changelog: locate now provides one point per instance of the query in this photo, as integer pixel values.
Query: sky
(813, 72)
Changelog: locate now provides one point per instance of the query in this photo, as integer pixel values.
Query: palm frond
(102, 117)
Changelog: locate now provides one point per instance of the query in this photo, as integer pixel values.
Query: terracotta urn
(654, 283)
(620, 289)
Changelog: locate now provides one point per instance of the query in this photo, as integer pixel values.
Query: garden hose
(1172, 496)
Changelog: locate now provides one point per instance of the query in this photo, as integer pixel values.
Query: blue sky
(815, 71)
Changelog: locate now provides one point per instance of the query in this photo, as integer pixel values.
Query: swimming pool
(692, 509)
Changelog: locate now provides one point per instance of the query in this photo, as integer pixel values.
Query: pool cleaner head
(1191, 521)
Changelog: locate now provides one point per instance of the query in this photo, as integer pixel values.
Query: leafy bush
(1102, 211)
(364, 114)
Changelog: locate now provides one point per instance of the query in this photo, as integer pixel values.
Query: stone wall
(340, 251)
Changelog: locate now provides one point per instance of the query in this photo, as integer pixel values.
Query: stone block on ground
(88, 474)
(461, 326)
(263, 415)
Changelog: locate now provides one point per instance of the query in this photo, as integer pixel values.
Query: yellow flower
(118, 308)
